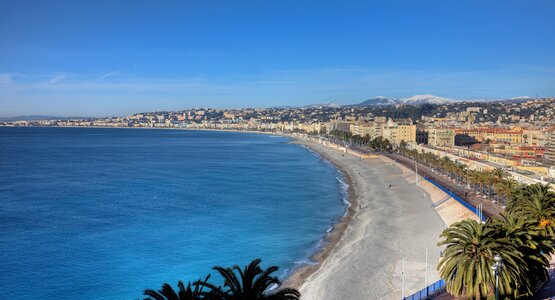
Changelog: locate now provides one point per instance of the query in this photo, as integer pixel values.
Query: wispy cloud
(57, 78)
(343, 85)
(108, 75)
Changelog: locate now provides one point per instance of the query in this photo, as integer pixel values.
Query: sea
(105, 213)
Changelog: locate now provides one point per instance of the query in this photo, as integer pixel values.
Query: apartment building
(441, 137)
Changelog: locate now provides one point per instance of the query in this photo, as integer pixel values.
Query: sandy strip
(363, 255)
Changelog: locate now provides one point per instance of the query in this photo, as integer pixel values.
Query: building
(421, 137)
(398, 131)
(362, 129)
(441, 137)
(496, 135)
(534, 137)
(463, 139)
(341, 126)
(550, 147)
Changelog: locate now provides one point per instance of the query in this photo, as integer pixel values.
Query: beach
(386, 230)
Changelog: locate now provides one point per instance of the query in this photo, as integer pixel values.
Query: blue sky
(100, 58)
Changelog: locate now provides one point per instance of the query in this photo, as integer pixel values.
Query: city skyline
(102, 59)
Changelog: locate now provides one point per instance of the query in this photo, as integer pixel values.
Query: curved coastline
(358, 225)
(298, 274)
(330, 239)
(384, 228)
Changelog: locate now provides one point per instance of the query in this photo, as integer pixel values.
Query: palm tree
(251, 283)
(489, 180)
(168, 293)
(468, 257)
(534, 247)
(461, 172)
(505, 188)
(535, 202)
(499, 174)
(481, 178)
(474, 179)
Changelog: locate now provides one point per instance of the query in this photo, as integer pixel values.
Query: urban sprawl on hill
(517, 135)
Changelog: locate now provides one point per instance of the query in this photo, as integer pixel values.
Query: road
(489, 209)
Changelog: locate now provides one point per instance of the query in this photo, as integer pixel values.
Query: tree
(480, 178)
(489, 180)
(506, 189)
(168, 293)
(474, 178)
(498, 174)
(535, 202)
(536, 249)
(251, 283)
(468, 257)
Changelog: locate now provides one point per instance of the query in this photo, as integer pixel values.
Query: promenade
(489, 209)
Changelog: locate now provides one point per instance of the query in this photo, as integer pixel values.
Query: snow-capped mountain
(427, 98)
(414, 100)
(379, 101)
(522, 98)
(325, 104)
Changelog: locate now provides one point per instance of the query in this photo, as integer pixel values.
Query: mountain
(522, 98)
(325, 104)
(427, 98)
(379, 101)
(510, 100)
(414, 100)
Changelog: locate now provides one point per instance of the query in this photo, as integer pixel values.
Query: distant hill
(431, 99)
(414, 100)
(519, 99)
(36, 118)
(510, 100)
(325, 104)
(379, 101)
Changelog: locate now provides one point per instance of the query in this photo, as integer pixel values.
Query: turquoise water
(105, 213)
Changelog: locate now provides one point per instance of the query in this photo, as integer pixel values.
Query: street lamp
(497, 268)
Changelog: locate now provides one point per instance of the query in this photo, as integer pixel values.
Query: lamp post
(497, 268)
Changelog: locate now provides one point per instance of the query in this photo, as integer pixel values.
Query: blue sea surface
(90, 213)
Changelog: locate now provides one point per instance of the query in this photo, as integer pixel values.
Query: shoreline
(382, 227)
(310, 274)
(330, 239)
(299, 275)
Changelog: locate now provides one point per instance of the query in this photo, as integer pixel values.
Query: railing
(429, 291)
(461, 201)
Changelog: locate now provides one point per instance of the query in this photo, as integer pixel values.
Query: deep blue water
(105, 213)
